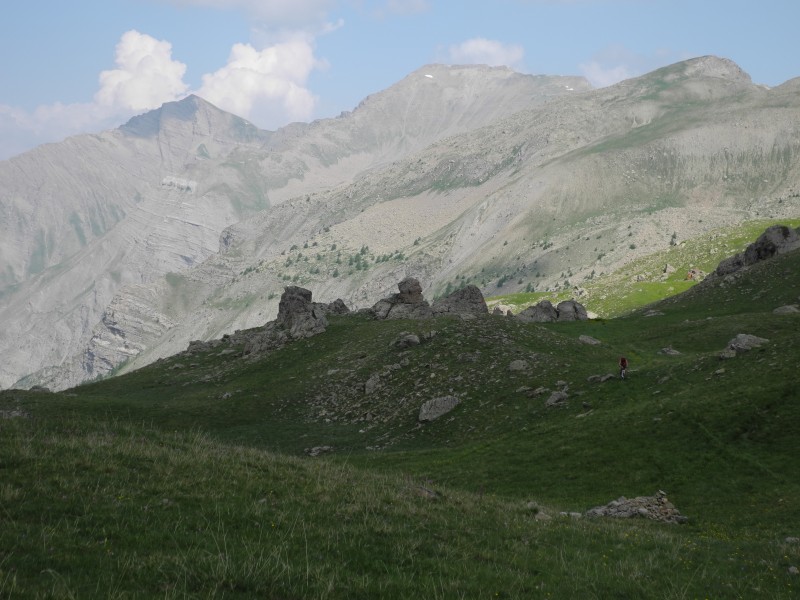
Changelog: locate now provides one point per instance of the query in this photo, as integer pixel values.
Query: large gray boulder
(433, 409)
(570, 310)
(407, 304)
(466, 301)
(298, 315)
(544, 312)
(655, 508)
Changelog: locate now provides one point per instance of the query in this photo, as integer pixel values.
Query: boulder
(433, 409)
(405, 340)
(589, 340)
(468, 300)
(744, 342)
(337, 307)
(543, 312)
(556, 399)
(298, 315)
(789, 309)
(410, 291)
(669, 351)
(518, 365)
(656, 508)
(407, 304)
(570, 310)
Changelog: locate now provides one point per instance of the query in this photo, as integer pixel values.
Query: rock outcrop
(743, 342)
(466, 301)
(433, 409)
(298, 318)
(656, 508)
(775, 240)
(407, 304)
(545, 312)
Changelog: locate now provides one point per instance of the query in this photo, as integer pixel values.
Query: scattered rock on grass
(433, 409)
(656, 508)
(556, 399)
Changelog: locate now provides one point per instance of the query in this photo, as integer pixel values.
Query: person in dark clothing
(623, 367)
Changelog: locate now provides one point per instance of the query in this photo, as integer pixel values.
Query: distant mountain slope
(548, 197)
(82, 218)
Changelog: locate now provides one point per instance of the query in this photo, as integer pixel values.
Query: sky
(84, 66)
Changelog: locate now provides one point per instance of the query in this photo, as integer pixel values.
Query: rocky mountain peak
(714, 66)
(192, 114)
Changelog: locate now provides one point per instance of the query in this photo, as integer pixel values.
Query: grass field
(189, 478)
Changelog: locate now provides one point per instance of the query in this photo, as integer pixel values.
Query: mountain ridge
(164, 196)
(491, 200)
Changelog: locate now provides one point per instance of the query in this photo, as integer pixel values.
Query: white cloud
(600, 76)
(145, 77)
(615, 63)
(487, 52)
(266, 86)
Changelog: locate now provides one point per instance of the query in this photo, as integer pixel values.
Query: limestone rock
(589, 340)
(518, 365)
(556, 399)
(656, 508)
(777, 239)
(433, 409)
(407, 304)
(744, 342)
(298, 315)
(405, 340)
(570, 310)
(669, 351)
(468, 300)
(789, 309)
(543, 312)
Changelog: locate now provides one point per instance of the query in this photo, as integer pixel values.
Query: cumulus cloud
(602, 76)
(145, 77)
(266, 86)
(615, 63)
(487, 52)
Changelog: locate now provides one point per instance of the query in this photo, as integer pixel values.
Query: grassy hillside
(644, 280)
(190, 477)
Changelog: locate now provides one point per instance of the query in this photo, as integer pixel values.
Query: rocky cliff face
(469, 176)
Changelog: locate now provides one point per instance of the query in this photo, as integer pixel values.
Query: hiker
(623, 367)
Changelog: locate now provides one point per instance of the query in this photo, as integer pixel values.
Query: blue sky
(88, 65)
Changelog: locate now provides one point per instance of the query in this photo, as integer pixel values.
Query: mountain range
(187, 222)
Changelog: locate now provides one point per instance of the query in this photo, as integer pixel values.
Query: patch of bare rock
(545, 312)
(655, 508)
(743, 342)
(777, 239)
(409, 303)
